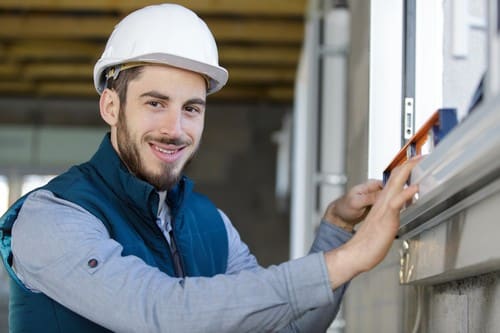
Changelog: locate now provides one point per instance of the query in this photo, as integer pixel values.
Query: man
(122, 243)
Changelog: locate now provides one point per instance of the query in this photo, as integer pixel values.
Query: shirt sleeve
(239, 256)
(65, 252)
(327, 237)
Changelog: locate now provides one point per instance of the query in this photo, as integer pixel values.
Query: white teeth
(165, 151)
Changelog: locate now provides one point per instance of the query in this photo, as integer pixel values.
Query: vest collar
(130, 189)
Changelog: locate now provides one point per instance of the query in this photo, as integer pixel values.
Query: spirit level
(426, 138)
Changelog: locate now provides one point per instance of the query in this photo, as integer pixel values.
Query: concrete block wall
(465, 305)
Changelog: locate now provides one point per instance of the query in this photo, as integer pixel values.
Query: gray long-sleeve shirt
(53, 241)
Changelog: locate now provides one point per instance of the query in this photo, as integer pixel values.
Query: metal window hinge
(409, 118)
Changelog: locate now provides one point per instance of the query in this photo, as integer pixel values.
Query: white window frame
(428, 59)
(386, 68)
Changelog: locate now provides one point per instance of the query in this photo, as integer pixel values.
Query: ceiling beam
(16, 87)
(56, 26)
(78, 89)
(253, 94)
(52, 50)
(62, 49)
(9, 70)
(39, 71)
(206, 7)
(261, 74)
(268, 54)
(235, 93)
(86, 89)
(48, 47)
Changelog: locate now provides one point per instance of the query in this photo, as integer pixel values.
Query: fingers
(354, 206)
(401, 173)
(367, 193)
(364, 200)
(399, 201)
(397, 194)
(373, 185)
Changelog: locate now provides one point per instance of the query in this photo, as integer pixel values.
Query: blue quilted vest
(127, 206)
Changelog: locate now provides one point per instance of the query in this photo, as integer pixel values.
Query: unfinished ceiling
(48, 47)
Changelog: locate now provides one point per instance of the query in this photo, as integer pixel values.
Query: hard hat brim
(217, 75)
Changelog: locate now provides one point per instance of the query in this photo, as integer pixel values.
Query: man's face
(160, 126)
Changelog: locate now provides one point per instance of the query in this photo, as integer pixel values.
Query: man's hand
(353, 207)
(373, 239)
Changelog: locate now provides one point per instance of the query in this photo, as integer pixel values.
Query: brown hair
(120, 84)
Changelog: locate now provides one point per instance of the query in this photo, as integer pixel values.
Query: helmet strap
(115, 70)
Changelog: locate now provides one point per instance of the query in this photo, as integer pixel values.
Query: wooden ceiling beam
(37, 71)
(36, 50)
(269, 54)
(9, 70)
(261, 74)
(54, 26)
(206, 7)
(79, 89)
(16, 87)
(253, 94)
(236, 93)
(281, 93)
(52, 49)
(256, 74)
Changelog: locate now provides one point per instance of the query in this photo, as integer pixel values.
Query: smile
(166, 151)
(167, 155)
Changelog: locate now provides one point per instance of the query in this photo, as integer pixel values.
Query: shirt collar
(162, 195)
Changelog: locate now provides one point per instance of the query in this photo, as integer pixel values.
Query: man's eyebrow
(157, 94)
(199, 101)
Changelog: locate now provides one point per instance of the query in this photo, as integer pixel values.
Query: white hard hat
(163, 34)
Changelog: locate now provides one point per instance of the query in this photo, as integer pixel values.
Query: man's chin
(161, 181)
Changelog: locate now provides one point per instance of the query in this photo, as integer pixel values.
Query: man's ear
(109, 106)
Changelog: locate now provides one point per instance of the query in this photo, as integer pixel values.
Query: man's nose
(172, 123)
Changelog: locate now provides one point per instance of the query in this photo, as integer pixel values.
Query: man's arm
(239, 256)
(372, 240)
(328, 237)
(54, 240)
(52, 248)
(380, 209)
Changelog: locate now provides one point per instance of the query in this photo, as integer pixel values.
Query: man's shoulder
(43, 202)
(42, 197)
(46, 217)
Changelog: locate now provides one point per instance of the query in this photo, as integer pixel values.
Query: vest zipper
(176, 257)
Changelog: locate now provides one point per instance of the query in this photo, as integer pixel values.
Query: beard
(162, 180)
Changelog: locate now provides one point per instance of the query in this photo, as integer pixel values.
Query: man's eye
(191, 109)
(154, 104)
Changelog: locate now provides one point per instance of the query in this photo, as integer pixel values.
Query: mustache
(168, 140)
